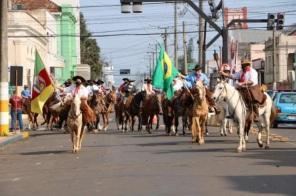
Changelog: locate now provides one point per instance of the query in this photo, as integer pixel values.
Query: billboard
(236, 13)
(124, 71)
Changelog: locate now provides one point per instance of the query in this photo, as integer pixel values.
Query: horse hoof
(221, 134)
(238, 150)
(260, 144)
(244, 149)
(267, 147)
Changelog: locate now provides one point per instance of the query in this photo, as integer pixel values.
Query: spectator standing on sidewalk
(16, 106)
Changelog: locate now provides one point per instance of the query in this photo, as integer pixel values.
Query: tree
(89, 50)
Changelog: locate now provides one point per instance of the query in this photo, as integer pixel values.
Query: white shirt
(81, 92)
(251, 75)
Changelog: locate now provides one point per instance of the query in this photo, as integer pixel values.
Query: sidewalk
(13, 137)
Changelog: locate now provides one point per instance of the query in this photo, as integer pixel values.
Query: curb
(14, 138)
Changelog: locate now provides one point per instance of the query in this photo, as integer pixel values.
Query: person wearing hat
(100, 85)
(247, 84)
(147, 86)
(197, 75)
(78, 89)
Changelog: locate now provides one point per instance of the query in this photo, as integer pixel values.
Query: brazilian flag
(164, 74)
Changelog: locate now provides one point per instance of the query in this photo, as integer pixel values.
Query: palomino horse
(199, 113)
(238, 109)
(75, 124)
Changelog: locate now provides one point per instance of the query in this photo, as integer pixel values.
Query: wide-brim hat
(69, 81)
(148, 79)
(246, 62)
(131, 80)
(75, 78)
(197, 67)
(99, 81)
(125, 79)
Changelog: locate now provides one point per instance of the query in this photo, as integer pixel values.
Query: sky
(104, 18)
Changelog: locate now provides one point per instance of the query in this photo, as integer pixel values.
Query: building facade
(284, 72)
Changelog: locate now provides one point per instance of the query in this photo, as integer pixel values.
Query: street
(115, 163)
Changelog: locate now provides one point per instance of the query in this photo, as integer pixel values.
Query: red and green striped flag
(43, 86)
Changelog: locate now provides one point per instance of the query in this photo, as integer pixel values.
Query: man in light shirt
(248, 86)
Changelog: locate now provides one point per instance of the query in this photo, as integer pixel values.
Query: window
(288, 98)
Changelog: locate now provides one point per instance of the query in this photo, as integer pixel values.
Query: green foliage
(89, 50)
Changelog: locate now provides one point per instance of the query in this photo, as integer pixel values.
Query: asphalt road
(139, 164)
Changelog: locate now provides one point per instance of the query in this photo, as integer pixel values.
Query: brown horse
(199, 113)
(150, 109)
(135, 110)
(32, 116)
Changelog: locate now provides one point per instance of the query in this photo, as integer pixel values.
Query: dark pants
(16, 115)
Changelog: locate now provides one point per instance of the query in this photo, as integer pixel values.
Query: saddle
(252, 95)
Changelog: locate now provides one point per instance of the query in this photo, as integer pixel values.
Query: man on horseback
(248, 86)
(81, 91)
(148, 89)
(125, 88)
(197, 75)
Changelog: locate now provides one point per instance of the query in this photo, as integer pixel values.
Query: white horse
(74, 124)
(226, 123)
(237, 109)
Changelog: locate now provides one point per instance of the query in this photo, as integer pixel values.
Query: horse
(134, 110)
(237, 109)
(150, 109)
(199, 113)
(31, 115)
(75, 124)
(98, 104)
(225, 123)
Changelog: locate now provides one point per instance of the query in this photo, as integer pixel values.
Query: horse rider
(197, 75)
(78, 89)
(247, 84)
(148, 89)
(124, 89)
(91, 87)
(226, 69)
(101, 88)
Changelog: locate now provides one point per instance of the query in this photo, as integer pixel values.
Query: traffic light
(270, 21)
(137, 6)
(126, 6)
(280, 21)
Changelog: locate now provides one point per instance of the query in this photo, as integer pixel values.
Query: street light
(126, 6)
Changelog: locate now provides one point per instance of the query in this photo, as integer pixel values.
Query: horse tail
(273, 114)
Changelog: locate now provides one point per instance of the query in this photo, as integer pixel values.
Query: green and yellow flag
(42, 87)
(164, 74)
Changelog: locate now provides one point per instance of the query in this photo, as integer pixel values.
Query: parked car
(285, 102)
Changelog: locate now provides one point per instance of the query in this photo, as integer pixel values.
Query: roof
(247, 35)
(36, 4)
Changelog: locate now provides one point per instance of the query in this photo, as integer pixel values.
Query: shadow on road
(264, 184)
(46, 152)
(276, 157)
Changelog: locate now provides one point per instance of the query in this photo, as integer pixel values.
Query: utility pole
(165, 40)
(204, 48)
(156, 57)
(4, 115)
(274, 58)
(201, 37)
(150, 65)
(176, 37)
(185, 49)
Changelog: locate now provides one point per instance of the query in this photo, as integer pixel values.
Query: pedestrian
(16, 106)
(26, 92)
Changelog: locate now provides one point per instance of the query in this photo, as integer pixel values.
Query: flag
(164, 74)
(42, 87)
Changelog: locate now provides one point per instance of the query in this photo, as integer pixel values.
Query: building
(60, 52)
(28, 23)
(284, 72)
(244, 45)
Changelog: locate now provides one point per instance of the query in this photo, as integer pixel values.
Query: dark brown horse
(32, 117)
(150, 109)
(135, 110)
